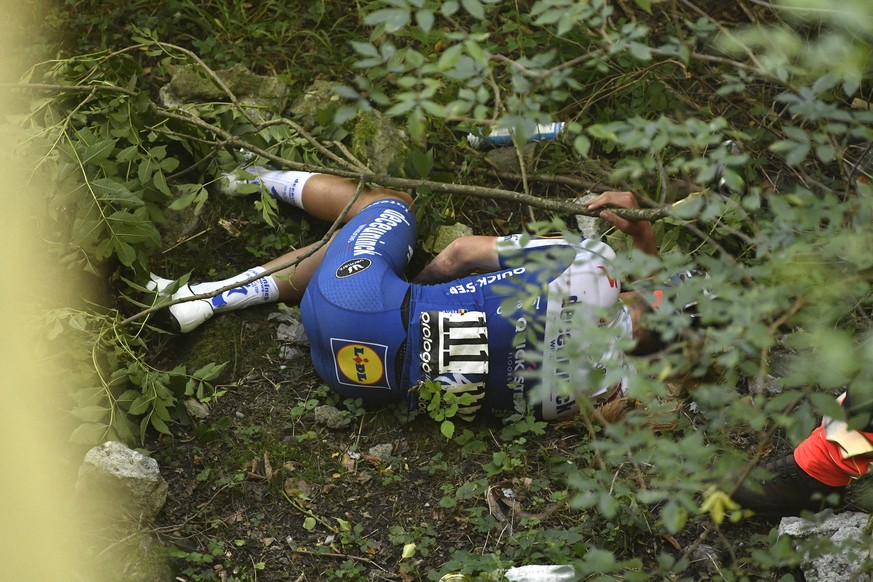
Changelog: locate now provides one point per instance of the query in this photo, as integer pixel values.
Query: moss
(137, 556)
(242, 338)
(379, 143)
(444, 236)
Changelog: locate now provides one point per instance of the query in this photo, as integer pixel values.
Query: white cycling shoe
(183, 317)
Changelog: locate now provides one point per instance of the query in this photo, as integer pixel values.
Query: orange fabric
(823, 460)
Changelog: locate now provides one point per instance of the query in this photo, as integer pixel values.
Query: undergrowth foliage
(767, 112)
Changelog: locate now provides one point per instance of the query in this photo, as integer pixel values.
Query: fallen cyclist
(376, 336)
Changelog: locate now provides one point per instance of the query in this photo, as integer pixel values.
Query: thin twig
(337, 556)
(60, 87)
(546, 178)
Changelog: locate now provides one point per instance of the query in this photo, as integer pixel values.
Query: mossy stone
(243, 338)
(380, 143)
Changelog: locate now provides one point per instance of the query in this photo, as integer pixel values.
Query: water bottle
(564, 573)
(503, 137)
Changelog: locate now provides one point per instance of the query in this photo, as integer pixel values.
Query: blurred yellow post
(40, 539)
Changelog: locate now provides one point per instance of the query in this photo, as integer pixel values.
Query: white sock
(263, 290)
(286, 186)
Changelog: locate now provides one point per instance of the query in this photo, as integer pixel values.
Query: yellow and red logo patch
(360, 363)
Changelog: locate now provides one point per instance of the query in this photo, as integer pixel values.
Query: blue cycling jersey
(374, 336)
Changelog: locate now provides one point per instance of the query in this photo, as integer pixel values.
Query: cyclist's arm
(464, 256)
(641, 231)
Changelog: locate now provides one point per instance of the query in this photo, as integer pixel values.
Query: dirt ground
(263, 486)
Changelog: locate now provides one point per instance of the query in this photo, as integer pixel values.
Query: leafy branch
(227, 139)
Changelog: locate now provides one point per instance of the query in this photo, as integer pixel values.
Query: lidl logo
(360, 363)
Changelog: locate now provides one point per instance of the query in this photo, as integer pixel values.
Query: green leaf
(365, 49)
(124, 428)
(104, 249)
(408, 551)
(127, 154)
(133, 228)
(825, 153)
(598, 560)
(191, 386)
(582, 145)
(645, 5)
(93, 413)
(309, 523)
(209, 372)
(159, 425)
(450, 57)
(475, 50)
(688, 208)
(422, 162)
(89, 433)
(113, 191)
(139, 406)
(400, 108)
(161, 409)
(184, 201)
(144, 170)
(160, 182)
(447, 428)
(474, 8)
(674, 516)
(98, 152)
(158, 152)
(393, 19)
(169, 164)
(424, 19)
(640, 51)
(125, 253)
(414, 59)
(449, 8)
(825, 404)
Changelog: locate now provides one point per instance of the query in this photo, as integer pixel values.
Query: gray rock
(706, 558)
(290, 353)
(317, 97)
(506, 159)
(381, 452)
(590, 226)
(179, 225)
(377, 141)
(290, 328)
(844, 530)
(290, 332)
(444, 235)
(778, 366)
(117, 481)
(332, 417)
(189, 85)
(196, 409)
(768, 383)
